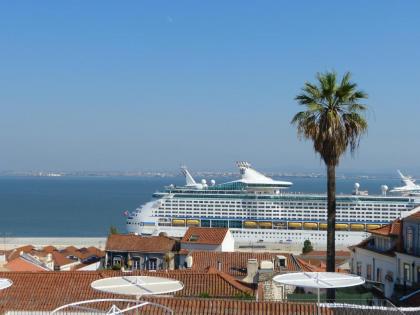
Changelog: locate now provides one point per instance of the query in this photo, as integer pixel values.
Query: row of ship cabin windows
(292, 215)
(285, 204)
(267, 209)
(183, 207)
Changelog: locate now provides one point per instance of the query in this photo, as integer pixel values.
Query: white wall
(376, 260)
(228, 244)
(206, 247)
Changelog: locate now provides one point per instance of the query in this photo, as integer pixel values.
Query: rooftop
(392, 229)
(201, 235)
(35, 291)
(235, 263)
(136, 243)
(47, 290)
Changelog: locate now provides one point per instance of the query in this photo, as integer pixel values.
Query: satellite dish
(320, 280)
(203, 181)
(356, 186)
(137, 285)
(213, 182)
(384, 189)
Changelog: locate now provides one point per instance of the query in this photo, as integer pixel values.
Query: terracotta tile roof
(201, 235)
(19, 264)
(323, 253)
(136, 243)
(83, 253)
(46, 291)
(392, 229)
(96, 251)
(49, 249)
(15, 253)
(60, 260)
(308, 267)
(235, 263)
(70, 249)
(319, 266)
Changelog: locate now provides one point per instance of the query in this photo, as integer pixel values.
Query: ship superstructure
(259, 209)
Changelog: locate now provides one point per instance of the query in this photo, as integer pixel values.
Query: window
(406, 273)
(369, 272)
(136, 262)
(409, 240)
(117, 260)
(152, 264)
(219, 223)
(379, 275)
(193, 238)
(359, 268)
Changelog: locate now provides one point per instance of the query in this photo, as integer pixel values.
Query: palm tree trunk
(331, 226)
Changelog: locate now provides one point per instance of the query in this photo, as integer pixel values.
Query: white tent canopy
(137, 285)
(319, 280)
(5, 283)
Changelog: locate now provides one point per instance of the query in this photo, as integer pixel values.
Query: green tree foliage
(113, 229)
(307, 247)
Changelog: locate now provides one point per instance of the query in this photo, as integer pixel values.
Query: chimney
(251, 271)
(189, 261)
(219, 265)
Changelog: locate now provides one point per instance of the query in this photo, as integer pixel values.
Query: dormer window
(193, 238)
(409, 246)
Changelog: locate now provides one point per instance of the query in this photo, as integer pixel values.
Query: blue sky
(127, 85)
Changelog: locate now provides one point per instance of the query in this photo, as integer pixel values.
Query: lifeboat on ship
(178, 222)
(341, 226)
(310, 226)
(250, 224)
(357, 227)
(193, 222)
(294, 225)
(265, 225)
(323, 226)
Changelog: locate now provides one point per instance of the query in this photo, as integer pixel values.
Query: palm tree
(334, 120)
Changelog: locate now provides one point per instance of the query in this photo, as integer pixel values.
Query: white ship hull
(268, 236)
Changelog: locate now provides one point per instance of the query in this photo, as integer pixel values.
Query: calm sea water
(88, 206)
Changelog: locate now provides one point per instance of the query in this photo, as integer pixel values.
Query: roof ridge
(230, 279)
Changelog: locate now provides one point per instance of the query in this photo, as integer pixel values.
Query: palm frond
(334, 116)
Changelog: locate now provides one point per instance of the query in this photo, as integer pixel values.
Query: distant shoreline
(59, 242)
(358, 176)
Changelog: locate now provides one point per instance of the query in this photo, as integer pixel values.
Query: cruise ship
(258, 209)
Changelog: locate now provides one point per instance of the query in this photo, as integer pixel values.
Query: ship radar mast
(190, 182)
